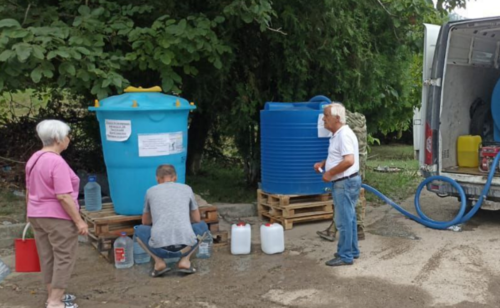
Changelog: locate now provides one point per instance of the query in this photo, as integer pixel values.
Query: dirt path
(402, 264)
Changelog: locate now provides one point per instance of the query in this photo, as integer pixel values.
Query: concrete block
(236, 210)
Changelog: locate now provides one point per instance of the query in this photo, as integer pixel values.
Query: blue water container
(495, 111)
(290, 147)
(141, 130)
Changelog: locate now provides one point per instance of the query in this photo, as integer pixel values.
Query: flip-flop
(188, 271)
(156, 273)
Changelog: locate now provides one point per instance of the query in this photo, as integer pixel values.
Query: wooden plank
(204, 209)
(300, 205)
(214, 227)
(288, 223)
(116, 219)
(286, 200)
(221, 238)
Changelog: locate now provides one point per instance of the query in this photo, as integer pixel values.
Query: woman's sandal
(67, 305)
(67, 298)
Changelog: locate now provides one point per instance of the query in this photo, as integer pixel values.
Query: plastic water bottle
(140, 255)
(93, 198)
(4, 271)
(205, 248)
(124, 251)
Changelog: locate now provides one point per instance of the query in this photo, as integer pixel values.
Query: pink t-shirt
(50, 176)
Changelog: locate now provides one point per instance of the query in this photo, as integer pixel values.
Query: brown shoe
(361, 234)
(326, 235)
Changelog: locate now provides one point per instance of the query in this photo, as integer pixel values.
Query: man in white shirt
(341, 168)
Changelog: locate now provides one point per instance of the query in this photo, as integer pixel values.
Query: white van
(461, 63)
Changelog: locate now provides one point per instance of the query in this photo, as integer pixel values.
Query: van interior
(472, 71)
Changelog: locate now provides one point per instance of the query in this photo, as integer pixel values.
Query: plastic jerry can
(272, 238)
(241, 238)
(468, 151)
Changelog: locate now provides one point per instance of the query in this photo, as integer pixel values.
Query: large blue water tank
(290, 147)
(140, 131)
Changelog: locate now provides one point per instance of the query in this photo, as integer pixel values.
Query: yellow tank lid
(140, 89)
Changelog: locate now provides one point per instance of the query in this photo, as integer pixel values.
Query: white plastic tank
(241, 238)
(272, 238)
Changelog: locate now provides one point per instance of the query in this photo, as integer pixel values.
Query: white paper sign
(118, 130)
(160, 144)
(322, 131)
(175, 143)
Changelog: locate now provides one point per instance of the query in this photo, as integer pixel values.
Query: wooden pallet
(288, 223)
(282, 200)
(105, 227)
(107, 224)
(290, 209)
(211, 217)
(221, 238)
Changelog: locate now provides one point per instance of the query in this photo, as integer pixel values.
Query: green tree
(228, 56)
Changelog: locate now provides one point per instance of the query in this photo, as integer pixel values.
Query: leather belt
(346, 177)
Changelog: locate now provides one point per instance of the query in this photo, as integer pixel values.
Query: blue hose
(441, 225)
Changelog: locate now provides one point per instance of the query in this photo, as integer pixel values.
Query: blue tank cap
(137, 101)
(315, 103)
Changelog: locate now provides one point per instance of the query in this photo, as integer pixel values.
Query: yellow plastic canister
(468, 150)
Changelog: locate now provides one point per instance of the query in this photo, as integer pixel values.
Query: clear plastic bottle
(4, 271)
(124, 251)
(93, 198)
(140, 255)
(205, 248)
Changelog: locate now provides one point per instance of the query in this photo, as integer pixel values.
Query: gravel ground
(402, 264)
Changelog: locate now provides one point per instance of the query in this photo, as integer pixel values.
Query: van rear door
(431, 34)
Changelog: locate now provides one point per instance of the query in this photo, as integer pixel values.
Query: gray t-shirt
(170, 205)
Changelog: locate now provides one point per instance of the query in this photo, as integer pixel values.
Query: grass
(219, 183)
(216, 183)
(12, 207)
(397, 185)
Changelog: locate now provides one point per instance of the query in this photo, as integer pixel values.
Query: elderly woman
(52, 194)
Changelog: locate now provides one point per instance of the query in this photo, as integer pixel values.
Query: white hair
(337, 109)
(52, 131)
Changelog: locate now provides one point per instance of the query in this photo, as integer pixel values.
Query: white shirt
(342, 143)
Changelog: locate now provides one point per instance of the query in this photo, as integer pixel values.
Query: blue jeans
(345, 195)
(143, 232)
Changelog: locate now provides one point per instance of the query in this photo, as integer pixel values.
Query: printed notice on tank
(118, 130)
(322, 131)
(160, 144)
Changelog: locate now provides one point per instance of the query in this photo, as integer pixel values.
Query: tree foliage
(229, 56)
